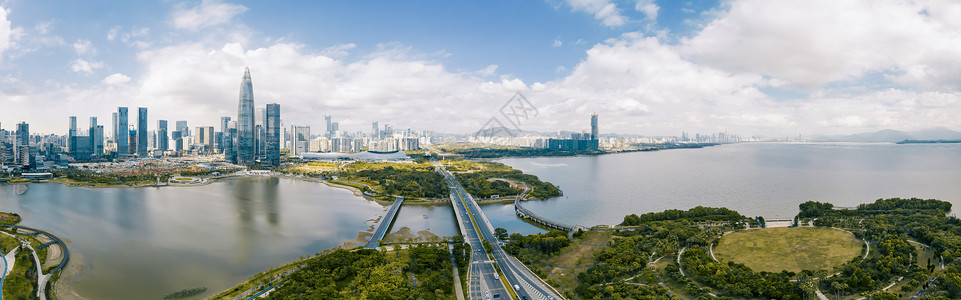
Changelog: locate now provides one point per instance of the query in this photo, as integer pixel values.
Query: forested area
(412, 182)
(476, 184)
(108, 179)
(697, 214)
(536, 247)
(888, 223)
(422, 273)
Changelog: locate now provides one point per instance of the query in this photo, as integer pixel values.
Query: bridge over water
(384, 224)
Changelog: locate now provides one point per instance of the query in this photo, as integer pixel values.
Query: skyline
(649, 67)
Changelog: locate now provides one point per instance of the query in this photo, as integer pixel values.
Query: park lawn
(7, 243)
(791, 249)
(16, 285)
(575, 255)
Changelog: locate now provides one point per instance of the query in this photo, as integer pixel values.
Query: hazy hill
(891, 135)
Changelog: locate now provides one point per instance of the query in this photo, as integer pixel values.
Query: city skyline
(649, 67)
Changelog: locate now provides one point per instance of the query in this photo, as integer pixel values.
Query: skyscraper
(230, 136)
(375, 131)
(22, 144)
(98, 141)
(142, 132)
(223, 128)
(123, 141)
(113, 130)
(327, 130)
(182, 127)
(260, 131)
(71, 135)
(299, 139)
(162, 140)
(96, 137)
(272, 120)
(245, 121)
(594, 133)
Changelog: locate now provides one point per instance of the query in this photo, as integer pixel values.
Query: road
(523, 281)
(384, 224)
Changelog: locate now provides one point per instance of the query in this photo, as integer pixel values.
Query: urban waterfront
(154, 241)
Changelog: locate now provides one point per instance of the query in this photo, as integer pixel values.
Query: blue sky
(645, 66)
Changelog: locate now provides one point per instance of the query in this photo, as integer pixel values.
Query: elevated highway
(477, 229)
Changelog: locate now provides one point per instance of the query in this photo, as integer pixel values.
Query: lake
(139, 243)
(756, 179)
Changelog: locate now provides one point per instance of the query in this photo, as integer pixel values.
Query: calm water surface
(145, 243)
(767, 179)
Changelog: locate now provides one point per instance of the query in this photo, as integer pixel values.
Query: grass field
(791, 249)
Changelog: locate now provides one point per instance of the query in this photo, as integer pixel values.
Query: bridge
(524, 213)
(483, 276)
(384, 224)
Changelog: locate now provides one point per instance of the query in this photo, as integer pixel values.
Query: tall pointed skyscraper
(245, 121)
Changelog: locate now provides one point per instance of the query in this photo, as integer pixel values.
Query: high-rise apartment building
(299, 139)
(272, 120)
(142, 132)
(245, 121)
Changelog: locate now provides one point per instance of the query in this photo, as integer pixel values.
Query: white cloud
(5, 32)
(83, 46)
(648, 8)
(557, 43)
(488, 71)
(208, 13)
(341, 50)
(602, 10)
(85, 67)
(115, 79)
(112, 34)
(812, 43)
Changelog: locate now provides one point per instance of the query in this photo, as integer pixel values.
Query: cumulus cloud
(83, 47)
(115, 79)
(208, 13)
(85, 67)
(648, 8)
(812, 43)
(603, 10)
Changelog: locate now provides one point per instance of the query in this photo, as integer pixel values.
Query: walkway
(384, 224)
(527, 214)
(43, 278)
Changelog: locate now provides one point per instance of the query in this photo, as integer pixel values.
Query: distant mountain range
(891, 135)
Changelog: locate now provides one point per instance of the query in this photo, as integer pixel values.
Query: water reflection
(140, 243)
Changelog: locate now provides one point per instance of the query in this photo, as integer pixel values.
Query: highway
(526, 284)
(381, 230)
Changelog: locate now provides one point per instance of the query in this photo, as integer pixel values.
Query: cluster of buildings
(588, 141)
(257, 135)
